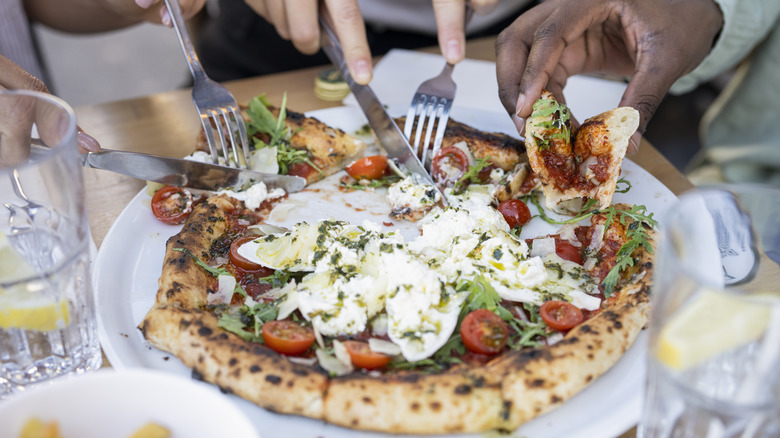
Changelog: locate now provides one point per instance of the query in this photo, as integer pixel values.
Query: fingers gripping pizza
(468, 327)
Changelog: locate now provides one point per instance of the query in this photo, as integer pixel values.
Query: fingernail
(165, 16)
(454, 51)
(519, 124)
(144, 3)
(87, 143)
(520, 105)
(633, 146)
(362, 72)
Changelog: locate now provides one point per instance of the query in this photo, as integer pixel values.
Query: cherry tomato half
(515, 212)
(304, 170)
(242, 262)
(484, 332)
(449, 164)
(567, 251)
(368, 167)
(362, 357)
(560, 315)
(287, 337)
(172, 205)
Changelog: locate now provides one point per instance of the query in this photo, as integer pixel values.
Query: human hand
(451, 24)
(157, 12)
(655, 42)
(16, 121)
(297, 21)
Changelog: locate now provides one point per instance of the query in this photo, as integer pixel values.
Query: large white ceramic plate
(114, 404)
(130, 260)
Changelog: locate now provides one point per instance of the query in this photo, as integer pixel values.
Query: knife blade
(185, 173)
(386, 130)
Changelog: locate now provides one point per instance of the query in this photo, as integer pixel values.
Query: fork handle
(184, 39)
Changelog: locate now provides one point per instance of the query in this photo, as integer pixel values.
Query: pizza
(577, 166)
(290, 143)
(469, 326)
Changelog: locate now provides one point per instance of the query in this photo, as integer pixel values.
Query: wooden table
(167, 124)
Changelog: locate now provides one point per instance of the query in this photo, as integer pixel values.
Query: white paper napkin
(398, 74)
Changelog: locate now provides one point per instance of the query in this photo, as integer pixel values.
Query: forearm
(84, 16)
(745, 24)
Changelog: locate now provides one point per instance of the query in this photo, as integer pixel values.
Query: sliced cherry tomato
(368, 167)
(560, 315)
(484, 174)
(362, 357)
(242, 262)
(287, 337)
(304, 170)
(567, 251)
(515, 212)
(172, 205)
(449, 164)
(484, 332)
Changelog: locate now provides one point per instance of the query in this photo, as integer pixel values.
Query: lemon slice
(24, 310)
(713, 323)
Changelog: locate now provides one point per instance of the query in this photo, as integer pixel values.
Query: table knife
(384, 127)
(185, 173)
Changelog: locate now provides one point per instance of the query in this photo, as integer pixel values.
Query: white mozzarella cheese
(254, 195)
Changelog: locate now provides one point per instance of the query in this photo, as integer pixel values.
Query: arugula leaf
(235, 324)
(262, 120)
(210, 269)
(542, 214)
(560, 122)
(471, 176)
(637, 235)
(623, 181)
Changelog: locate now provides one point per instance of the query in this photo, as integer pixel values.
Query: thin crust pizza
(470, 326)
(574, 167)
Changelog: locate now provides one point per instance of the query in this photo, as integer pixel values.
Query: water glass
(47, 312)
(714, 350)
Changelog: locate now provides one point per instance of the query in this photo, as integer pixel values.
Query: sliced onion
(308, 361)
(554, 338)
(567, 233)
(264, 229)
(290, 303)
(227, 285)
(597, 238)
(385, 347)
(379, 325)
(462, 145)
(331, 364)
(342, 354)
(542, 247)
(590, 263)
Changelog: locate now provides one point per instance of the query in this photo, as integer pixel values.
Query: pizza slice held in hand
(576, 166)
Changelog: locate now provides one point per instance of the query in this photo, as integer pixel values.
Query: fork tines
(231, 132)
(427, 113)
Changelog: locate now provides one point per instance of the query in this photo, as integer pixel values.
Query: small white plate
(114, 404)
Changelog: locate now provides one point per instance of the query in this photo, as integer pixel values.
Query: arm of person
(654, 42)
(86, 16)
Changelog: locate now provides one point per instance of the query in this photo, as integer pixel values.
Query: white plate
(114, 404)
(130, 260)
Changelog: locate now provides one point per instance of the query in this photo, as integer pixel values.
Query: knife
(390, 136)
(185, 173)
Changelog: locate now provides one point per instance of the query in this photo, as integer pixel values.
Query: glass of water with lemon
(714, 351)
(47, 312)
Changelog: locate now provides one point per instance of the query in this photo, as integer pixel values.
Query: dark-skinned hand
(654, 42)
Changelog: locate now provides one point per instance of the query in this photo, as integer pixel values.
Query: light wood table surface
(167, 124)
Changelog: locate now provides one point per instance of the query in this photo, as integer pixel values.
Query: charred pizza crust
(511, 389)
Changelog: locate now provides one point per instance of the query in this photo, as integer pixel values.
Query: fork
(217, 107)
(430, 108)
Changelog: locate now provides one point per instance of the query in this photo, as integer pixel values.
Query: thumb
(645, 92)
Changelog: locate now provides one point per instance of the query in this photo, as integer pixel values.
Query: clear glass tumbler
(714, 350)
(47, 312)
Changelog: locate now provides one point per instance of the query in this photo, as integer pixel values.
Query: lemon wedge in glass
(21, 308)
(712, 323)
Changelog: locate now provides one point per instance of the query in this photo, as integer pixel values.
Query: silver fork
(430, 107)
(217, 107)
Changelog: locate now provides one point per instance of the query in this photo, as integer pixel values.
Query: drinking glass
(47, 313)
(714, 350)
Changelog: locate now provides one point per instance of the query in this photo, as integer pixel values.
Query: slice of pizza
(290, 143)
(574, 167)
